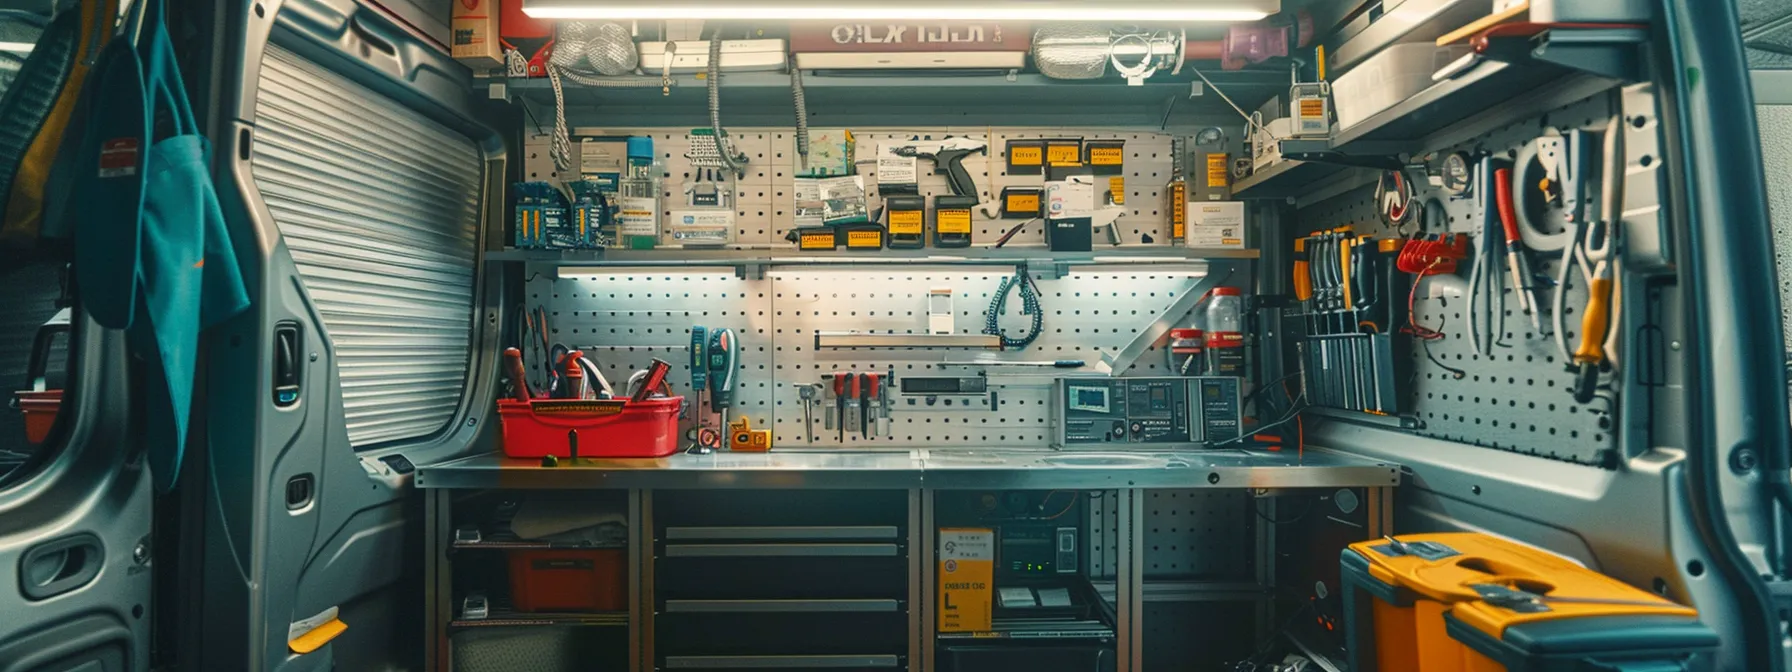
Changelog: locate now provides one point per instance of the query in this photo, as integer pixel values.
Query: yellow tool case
(1474, 603)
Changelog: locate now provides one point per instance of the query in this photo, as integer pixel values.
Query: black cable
(1297, 518)
(1029, 298)
(1293, 412)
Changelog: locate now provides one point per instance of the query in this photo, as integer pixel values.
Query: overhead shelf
(752, 261)
(1401, 128)
(904, 97)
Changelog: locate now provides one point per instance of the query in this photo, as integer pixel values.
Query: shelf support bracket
(1121, 360)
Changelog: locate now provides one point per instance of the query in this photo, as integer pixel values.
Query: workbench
(1131, 478)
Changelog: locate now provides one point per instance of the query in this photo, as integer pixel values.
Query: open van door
(76, 545)
(75, 512)
(356, 185)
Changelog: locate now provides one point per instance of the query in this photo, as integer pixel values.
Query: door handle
(286, 364)
(59, 566)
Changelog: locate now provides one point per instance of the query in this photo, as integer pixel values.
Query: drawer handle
(777, 662)
(780, 550)
(842, 532)
(781, 606)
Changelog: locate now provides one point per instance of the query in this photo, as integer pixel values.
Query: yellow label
(586, 408)
(821, 240)
(864, 238)
(1312, 107)
(966, 579)
(952, 221)
(1117, 189)
(1217, 174)
(1107, 156)
(1028, 202)
(1026, 156)
(1178, 209)
(1069, 155)
(908, 222)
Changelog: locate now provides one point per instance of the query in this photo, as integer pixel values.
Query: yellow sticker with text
(1026, 156)
(1064, 155)
(1117, 189)
(865, 238)
(1106, 156)
(908, 222)
(953, 221)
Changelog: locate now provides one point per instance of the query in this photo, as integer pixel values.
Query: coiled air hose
(1029, 305)
(802, 121)
(715, 105)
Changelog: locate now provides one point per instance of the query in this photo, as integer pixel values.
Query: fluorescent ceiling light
(17, 47)
(1186, 11)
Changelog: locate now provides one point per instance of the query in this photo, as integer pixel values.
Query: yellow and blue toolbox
(1468, 602)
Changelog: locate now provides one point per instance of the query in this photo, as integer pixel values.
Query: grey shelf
(1006, 256)
(1403, 127)
(908, 98)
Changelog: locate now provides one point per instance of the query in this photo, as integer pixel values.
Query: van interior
(1106, 336)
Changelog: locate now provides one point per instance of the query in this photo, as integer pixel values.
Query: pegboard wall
(1517, 397)
(764, 197)
(1206, 534)
(624, 320)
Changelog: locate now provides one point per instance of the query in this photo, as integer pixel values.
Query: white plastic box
(1397, 73)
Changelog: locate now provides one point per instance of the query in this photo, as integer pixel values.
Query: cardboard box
(1216, 224)
(967, 579)
(474, 27)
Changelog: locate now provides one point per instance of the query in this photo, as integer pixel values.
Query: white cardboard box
(1216, 224)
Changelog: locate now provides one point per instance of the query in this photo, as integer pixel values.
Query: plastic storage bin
(1385, 79)
(569, 580)
(590, 428)
(1423, 606)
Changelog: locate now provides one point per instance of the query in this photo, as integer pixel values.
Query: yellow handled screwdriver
(1602, 240)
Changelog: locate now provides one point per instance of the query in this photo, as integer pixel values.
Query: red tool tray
(590, 428)
(569, 580)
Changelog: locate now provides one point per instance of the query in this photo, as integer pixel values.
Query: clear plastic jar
(1225, 311)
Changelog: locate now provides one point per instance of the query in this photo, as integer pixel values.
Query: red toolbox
(590, 427)
(569, 580)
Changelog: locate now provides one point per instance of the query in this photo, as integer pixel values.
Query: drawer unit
(800, 580)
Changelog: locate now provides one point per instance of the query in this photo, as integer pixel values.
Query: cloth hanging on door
(152, 254)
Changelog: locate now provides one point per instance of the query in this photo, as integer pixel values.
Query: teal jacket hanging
(152, 255)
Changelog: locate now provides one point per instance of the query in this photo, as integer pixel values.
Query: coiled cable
(1029, 302)
(802, 120)
(715, 106)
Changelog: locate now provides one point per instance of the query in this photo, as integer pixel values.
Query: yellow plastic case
(1473, 602)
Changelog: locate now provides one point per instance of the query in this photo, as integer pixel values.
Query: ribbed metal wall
(379, 207)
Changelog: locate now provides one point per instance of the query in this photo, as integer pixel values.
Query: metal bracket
(1613, 52)
(1118, 362)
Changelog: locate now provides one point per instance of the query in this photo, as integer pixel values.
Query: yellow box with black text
(966, 579)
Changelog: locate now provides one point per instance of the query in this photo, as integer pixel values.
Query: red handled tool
(656, 376)
(513, 367)
(840, 403)
(1516, 260)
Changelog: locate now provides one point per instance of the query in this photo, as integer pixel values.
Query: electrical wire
(1065, 510)
(729, 161)
(1293, 412)
(1297, 518)
(1029, 298)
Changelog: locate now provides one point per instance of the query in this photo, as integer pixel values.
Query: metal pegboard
(1201, 534)
(624, 319)
(1104, 534)
(1516, 397)
(763, 198)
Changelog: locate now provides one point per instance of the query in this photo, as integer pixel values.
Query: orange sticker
(952, 221)
(906, 222)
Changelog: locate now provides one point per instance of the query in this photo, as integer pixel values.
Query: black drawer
(832, 663)
(766, 633)
(780, 577)
(673, 508)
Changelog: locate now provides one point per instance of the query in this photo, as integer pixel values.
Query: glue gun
(949, 153)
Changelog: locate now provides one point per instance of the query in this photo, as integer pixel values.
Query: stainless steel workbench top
(926, 468)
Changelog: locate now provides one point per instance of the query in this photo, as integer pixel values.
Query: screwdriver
(867, 394)
(513, 367)
(724, 365)
(840, 403)
(699, 364)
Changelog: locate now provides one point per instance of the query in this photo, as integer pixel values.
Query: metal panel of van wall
(340, 132)
(380, 210)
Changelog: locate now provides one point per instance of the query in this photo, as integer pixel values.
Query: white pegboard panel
(763, 212)
(1516, 397)
(625, 319)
